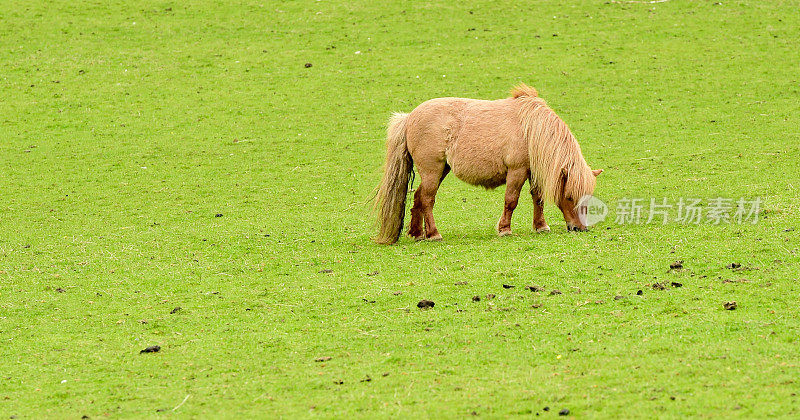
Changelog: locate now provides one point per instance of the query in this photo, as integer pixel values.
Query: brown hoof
(543, 229)
(504, 233)
(416, 238)
(436, 237)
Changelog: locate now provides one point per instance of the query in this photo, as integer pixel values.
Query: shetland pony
(485, 143)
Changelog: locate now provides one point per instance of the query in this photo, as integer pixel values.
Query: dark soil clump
(425, 304)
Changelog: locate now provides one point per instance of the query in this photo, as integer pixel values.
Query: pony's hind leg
(515, 179)
(424, 199)
(539, 224)
(416, 229)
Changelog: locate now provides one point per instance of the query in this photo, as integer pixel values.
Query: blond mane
(522, 90)
(553, 150)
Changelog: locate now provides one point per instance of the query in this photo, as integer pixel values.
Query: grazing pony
(485, 143)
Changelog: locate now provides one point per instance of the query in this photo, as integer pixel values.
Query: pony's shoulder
(523, 90)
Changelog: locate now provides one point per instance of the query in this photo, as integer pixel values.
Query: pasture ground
(127, 127)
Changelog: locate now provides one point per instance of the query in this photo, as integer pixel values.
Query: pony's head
(576, 185)
(558, 169)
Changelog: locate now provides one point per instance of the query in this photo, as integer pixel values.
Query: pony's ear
(597, 172)
(564, 172)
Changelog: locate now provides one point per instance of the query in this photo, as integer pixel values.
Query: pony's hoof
(504, 233)
(418, 237)
(543, 229)
(436, 238)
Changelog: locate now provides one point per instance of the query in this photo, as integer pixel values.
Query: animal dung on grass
(323, 359)
(555, 292)
(476, 298)
(729, 306)
(733, 266)
(425, 304)
(677, 265)
(508, 286)
(535, 288)
(151, 349)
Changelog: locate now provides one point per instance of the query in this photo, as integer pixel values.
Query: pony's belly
(487, 181)
(484, 173)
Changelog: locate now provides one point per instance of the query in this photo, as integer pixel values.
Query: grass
(128, 126)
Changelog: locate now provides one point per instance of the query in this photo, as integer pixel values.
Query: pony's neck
(553, 151)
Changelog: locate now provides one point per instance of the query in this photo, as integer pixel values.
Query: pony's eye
(569, 199)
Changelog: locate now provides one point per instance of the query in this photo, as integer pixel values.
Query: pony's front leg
(539, 224)
(515, 179)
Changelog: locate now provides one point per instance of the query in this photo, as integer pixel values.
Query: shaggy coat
(485, 143)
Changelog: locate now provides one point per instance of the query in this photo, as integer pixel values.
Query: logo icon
(591, 210)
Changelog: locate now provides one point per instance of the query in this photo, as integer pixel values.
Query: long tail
(391, 198)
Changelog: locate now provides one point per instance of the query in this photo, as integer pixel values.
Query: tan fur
(486, 143)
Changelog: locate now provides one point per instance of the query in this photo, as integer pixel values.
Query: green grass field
(127, 127)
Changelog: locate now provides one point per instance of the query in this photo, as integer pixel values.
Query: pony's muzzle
(573, 228)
